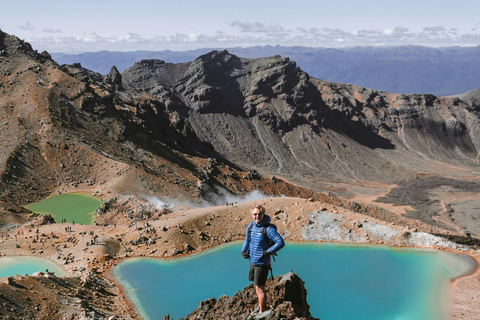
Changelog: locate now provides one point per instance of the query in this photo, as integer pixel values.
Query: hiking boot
(256, 311)
(263, 315)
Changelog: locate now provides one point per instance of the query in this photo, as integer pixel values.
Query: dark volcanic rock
(401, 69)
(287, 299)
(114, 78)
(11, 47)
(422, 195)
(268, 114)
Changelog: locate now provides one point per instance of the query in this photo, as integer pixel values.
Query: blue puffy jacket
(256, 243)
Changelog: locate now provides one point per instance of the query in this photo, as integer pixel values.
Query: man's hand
(245, 254)
(266, 253)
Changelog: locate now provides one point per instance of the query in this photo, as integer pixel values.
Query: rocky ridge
(46, 296)
(402, 69)
(286, 298)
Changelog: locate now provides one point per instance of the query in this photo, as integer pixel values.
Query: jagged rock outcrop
(114, 77)
(287, 300)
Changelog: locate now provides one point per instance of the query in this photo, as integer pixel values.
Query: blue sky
(80, 26)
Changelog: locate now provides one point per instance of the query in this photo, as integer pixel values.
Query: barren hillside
(187, 130)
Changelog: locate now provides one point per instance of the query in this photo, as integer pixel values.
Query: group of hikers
(262, 241)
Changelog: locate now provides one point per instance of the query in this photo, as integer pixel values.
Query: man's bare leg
(262, 297)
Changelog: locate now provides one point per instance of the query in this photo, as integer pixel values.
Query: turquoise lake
(348, 282)
(10, 266)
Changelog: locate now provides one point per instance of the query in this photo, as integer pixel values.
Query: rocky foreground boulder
(287, 300)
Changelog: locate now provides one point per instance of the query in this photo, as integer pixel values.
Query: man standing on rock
(261, 242)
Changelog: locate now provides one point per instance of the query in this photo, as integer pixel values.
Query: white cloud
(253, 34)
(27, 26)
(302, 30)
(133, 37)
(47, 30)
(434, 29)
(401, 30)
(388, 31)
(258, 27)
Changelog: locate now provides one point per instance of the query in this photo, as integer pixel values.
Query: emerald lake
(351, 282)
(74, 207)
(10, 266)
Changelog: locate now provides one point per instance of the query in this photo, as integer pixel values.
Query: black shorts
(258, 274)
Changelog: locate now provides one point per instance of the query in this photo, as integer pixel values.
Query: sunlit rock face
(287, 299)
(268, 113)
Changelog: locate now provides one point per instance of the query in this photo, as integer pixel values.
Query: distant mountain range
(405, 69)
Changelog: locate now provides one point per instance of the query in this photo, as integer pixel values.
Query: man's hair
(259, 207)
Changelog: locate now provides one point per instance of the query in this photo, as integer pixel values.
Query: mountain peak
(114, 78)
(11, 46)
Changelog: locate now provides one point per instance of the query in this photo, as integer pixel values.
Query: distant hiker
(261, 242)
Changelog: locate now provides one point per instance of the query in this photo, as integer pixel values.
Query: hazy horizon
(92, 26)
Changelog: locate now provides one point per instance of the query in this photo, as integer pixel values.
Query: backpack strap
(264, 232)
(267, 240)
(249, 231)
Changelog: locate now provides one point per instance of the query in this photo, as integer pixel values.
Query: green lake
(74, 207)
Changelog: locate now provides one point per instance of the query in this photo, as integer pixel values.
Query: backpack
(264, 231)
